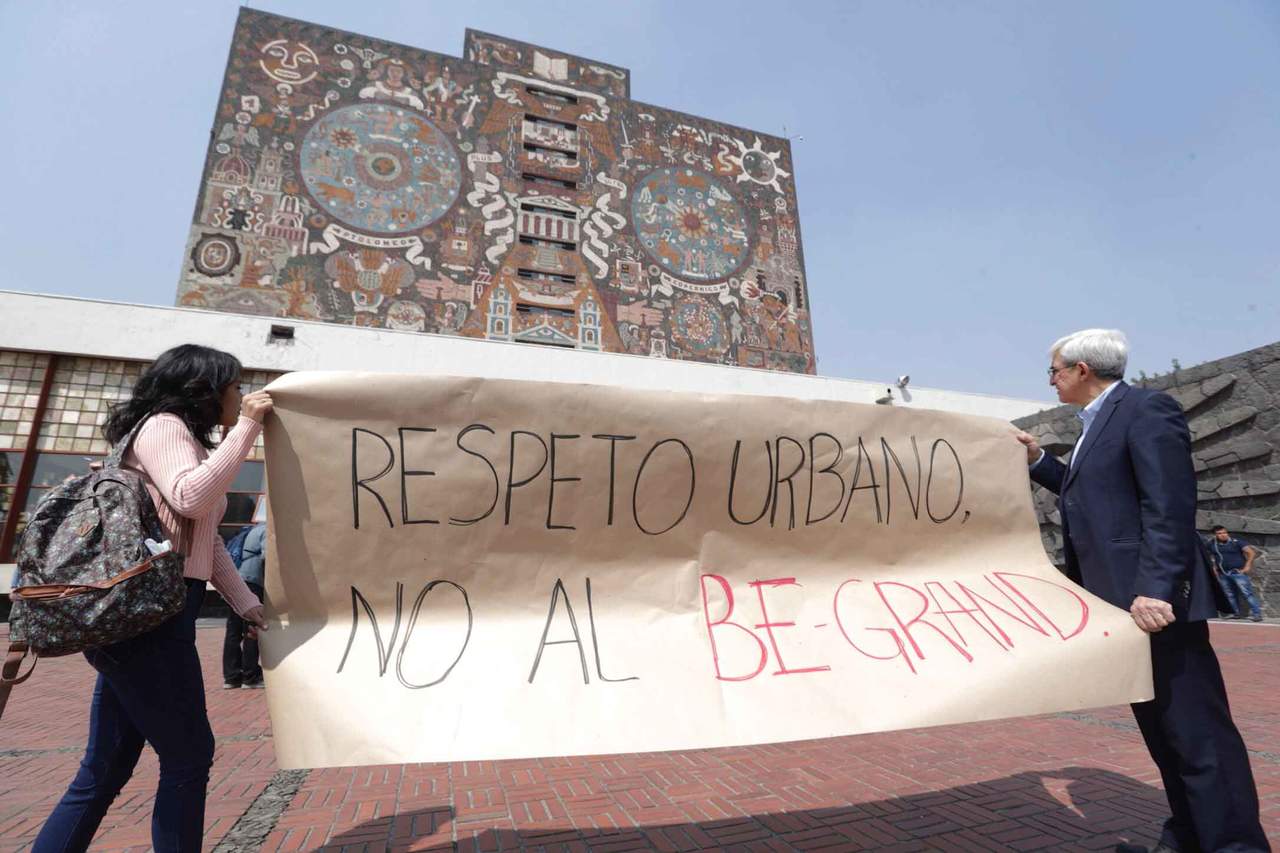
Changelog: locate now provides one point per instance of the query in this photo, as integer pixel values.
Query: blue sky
(975, 178)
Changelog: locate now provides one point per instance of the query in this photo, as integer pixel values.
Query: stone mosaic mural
(515, 194)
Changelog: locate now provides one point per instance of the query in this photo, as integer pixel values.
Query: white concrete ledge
(74, 326)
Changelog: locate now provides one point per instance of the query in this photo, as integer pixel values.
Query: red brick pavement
(1062, 782)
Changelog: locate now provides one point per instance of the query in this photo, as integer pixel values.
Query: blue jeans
(149, 690)
(1237, 585)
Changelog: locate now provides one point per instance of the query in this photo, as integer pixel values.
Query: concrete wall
(1233, 409)
(117, 330)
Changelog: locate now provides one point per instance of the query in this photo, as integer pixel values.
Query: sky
(975, 179)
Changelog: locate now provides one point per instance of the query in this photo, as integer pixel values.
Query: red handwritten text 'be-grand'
(954, 619)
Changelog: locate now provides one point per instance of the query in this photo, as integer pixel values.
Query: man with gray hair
(1127, 498)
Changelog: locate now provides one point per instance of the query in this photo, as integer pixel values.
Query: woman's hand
(255, 405)
(255, 617)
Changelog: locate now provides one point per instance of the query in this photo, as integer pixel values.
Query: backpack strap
(116, 457)
(55, 591)
(9, 671)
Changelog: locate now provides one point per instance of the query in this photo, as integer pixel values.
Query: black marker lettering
(511, 468)
(829, 469)
(357, 483)
(384, 652)
(928, 489)
(613, 448)
(791, 489)
(557, 591)
(733, 482)
(854, 487)
(595, 641)
(413, 621)
(635, 491)
(462, 522)
(551, 492)
(914, 500)
(405, 473)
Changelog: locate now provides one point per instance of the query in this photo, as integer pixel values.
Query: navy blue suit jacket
(1128, 506)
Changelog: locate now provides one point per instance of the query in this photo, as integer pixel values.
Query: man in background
(1233, 560)
(240, 664)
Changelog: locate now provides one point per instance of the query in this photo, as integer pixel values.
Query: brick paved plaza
(1079, 781)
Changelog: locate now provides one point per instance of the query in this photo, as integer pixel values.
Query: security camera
(903, 380)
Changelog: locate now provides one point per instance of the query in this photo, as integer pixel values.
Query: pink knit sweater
(188, 485)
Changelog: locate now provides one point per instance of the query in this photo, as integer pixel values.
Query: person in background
(149, 688)
(240, 667)
(1233, 560)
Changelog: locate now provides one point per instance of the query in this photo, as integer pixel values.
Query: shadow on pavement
(1072, 808)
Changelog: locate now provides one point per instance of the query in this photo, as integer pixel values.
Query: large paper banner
(479, 569)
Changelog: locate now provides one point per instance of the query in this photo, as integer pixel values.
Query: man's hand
(1029, 441)
(1151, 614)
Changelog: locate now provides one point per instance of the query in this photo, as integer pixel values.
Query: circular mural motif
(380, 168)
(758, 166)
(406, 317)
(699, 327)
(690, 224)
(215, 255)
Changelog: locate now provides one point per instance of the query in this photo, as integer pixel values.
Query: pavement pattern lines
(1071, 781)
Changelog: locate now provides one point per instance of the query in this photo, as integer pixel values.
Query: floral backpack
(93, 569)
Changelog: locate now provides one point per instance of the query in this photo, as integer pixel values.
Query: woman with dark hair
(150, 688)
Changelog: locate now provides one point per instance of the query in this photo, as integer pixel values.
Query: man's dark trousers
(239, 650)
(1201, 757)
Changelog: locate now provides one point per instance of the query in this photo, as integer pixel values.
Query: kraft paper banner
(468, 569)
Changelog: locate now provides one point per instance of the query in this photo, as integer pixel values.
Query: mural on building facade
(515, 195)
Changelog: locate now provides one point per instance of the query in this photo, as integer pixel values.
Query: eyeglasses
(1054, 371)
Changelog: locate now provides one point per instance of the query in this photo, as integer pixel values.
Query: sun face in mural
(759, 166)
(690, 224)
(380, 168)
(289, 62)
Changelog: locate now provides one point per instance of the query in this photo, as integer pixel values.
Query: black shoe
(230, 685)
(1255, 618)
(254, 685)
(1139, 848)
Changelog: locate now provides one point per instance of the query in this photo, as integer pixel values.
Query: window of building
(243, 498)
(547, 180)
(10, 462)
(54, 469)
(23, 383)
(550, 156)
(550, 133)
(64, 429)
(538, 312)
(539, 275)
(549, 95)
